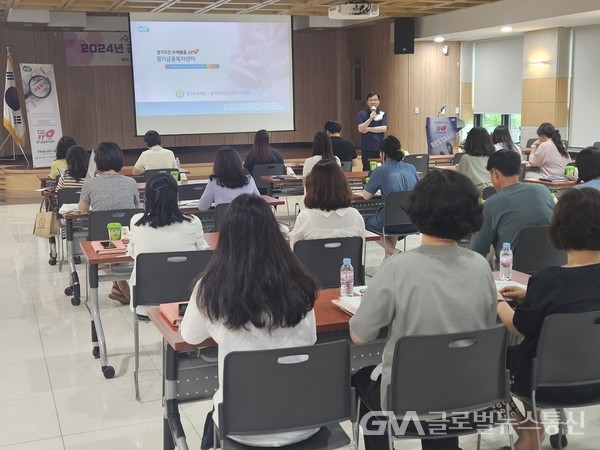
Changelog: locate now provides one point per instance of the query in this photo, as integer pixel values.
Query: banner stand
(14, 153)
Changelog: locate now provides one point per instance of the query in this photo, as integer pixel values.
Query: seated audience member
(478, 148)
(77, 167)
(342, 148)
(163, 227)
(321, 150)
(550, 156)
(110, 190)
(515, 206)
(228, 180)
(155, 157)
(261, 152)
(60, 163)
(255, 299)
(502, 139)
(588, 166)
(411, 293)
(392, 176)
(328, 213)
(571, 288)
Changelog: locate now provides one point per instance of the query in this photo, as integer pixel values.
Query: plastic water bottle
(506, 262)
(347, 278)
(177, 164)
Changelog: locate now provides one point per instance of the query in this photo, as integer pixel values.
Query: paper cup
(114, 231)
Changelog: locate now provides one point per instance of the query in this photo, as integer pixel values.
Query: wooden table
(127, 171)
(435, 160)
(552, 185)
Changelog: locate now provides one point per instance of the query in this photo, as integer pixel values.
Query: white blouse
(314, 223)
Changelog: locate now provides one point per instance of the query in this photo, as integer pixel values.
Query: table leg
(98, 340)
(74, 288)
(173, 430)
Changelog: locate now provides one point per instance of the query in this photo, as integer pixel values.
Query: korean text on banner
(97, 49)
(43, 117)
(13, 119)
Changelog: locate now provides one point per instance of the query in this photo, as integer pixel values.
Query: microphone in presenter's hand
(373, 108)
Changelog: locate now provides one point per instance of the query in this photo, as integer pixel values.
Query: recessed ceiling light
(506, 29)
(439, 39)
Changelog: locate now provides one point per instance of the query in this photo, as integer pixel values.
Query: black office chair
(530, 142)
(191, 191)
(533, 251)
(99, 219)
(394, 215)
(522, 172)
(461, 372)
(420, 161)
(566, 356)
(220, 211)
(457, 157)
(289, 389)
(166, 277)
(347, 166)
(266, 169)
(488, 192)
(68, 196)
(149, 172)
(323, 259)
(596, 144)
(207, 218)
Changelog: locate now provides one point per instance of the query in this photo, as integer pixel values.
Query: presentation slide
(198, 74)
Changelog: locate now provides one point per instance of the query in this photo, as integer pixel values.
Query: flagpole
(13, 119)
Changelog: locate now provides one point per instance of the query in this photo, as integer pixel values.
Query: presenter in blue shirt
(372, 124)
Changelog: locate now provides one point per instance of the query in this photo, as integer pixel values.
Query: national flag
(13, 119)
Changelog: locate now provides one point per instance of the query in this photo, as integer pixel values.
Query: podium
(441, 134)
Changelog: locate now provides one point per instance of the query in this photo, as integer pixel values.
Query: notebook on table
(108, 247)
(173, 312)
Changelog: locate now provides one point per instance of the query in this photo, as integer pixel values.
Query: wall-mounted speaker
(404, 36)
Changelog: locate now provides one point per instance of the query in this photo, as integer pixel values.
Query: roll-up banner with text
(441, 134)
(41, 104)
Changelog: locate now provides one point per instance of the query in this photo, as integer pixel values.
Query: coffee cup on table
(114, 231)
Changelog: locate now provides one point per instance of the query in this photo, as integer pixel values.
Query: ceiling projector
(354, 10)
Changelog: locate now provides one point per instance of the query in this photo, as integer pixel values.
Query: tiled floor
(52, 393)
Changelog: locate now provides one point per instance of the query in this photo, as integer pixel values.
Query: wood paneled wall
(96, 103)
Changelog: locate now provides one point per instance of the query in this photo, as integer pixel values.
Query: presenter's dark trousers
(369, 393)
(365, 156)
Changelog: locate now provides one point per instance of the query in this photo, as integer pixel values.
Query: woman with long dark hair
(163, 227)
(502, 139)
(551, 156)
(228, 180)
(261, 152)
(253, 295)
(478, 148)
(77, 167)
(322, 149)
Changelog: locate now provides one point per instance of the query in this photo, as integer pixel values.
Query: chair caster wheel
(555, 444)
(77, 259)
(52, 261)
(75, 301)
(96, 352)
(108, 372)
(69, 291)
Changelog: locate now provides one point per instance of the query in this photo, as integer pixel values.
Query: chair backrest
(596, 144)
(457, 157)
(488, 192)
(523, 170)
(419, 160)
(530, 142)
(393, 212)
(167, 277)
(286, 389)
(99, 219)
(323, 259)
(220, 211)
(207, 218)
(191, 191)
(67, 195)
(567, 351)
(533, 251)
(347, 166)
(266, 169)
(149, 172)
(471, 363)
